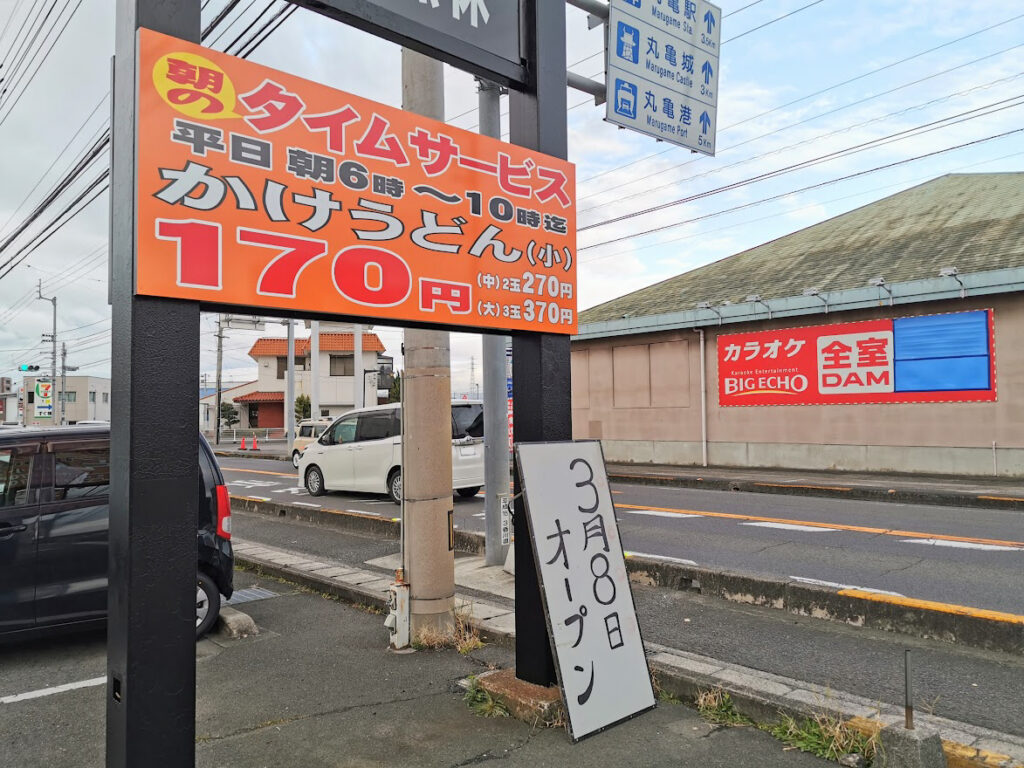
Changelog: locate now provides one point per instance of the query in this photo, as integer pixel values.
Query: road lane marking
(659, 513)
(1001, 498)
(836, 585)
(806, 487)
(929, 605)
(306, 504)
(259, 472)
(363, 512)
(479, 514)
(836, 526)
(51, 691)
(963, 545)
(660, 557)
(250, 498)
(793, 527)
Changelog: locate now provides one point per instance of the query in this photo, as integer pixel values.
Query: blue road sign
(627, 44)
(625, 99)
(662, 69)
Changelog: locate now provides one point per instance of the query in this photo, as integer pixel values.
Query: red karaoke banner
(874, 361)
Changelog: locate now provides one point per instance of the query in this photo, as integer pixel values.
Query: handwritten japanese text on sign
(599, 654)
(260, 189)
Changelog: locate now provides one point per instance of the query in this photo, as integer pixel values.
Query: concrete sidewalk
(485, 595)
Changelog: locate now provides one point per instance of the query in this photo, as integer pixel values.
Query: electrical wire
(818, 185)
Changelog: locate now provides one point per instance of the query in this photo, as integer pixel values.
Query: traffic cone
(255, 444)
(242, 446)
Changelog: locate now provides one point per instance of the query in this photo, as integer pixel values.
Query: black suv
(54, 486)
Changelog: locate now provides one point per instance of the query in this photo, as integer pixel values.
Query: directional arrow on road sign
(705, 122)
(709, 19)
(708, 72)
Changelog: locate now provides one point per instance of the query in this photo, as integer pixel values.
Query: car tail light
(223, 512)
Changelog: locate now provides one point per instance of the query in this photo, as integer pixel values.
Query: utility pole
(427, 507)
(220, 362)
(496, 460)
(51, 337)
(289, 390)
(359, 382)
(314, 369)
(64, 368)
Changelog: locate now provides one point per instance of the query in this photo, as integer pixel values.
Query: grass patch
(376, 610)
(660, 693)
(481, 703)
(825, 736)
(464, 637)
(716, 706)
(822, 734)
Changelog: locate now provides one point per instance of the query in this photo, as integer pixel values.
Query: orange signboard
(264, 190)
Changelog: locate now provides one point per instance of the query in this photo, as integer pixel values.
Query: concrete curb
(987, 630)
(849, 491)
(759, 695)
(250, 455)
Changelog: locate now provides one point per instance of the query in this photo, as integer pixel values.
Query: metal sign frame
(155, 353)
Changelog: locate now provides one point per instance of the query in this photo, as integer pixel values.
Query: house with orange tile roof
(263, 405)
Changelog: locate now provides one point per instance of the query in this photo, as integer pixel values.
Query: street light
(816, 292)
(707, 305)
(755, 298)
(955, 274)
(879, 282)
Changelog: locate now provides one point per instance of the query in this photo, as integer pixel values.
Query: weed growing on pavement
(376, 610)
(482, 703)
(824, 736)
(662, 695)
(464, 637)
(715, 705)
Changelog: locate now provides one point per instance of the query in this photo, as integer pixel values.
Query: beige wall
(641, 396)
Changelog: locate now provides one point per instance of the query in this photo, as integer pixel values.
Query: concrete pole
(496, 464)
(359, 383)
(220, 364)
(427, 505)
(63, 381)
(289, 391)
(314, 369)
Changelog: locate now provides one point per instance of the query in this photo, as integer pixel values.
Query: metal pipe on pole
(496, 463)
(314, 369)
(427, 505)
(220, 363)
(289, 391)
(359, 380)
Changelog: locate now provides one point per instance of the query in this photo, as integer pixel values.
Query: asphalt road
(318, 687)
(972, 557)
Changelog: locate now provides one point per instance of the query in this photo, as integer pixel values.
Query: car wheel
(395, 486)
(468, 492)
(295, 459)
(315, 481)
(207, 604)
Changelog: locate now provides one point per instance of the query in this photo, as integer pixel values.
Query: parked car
(54, 509)
(307, 432)
(362, 451)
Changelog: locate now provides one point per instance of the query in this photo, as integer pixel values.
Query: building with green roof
(881, 339)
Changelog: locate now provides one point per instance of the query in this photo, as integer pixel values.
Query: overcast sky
(799, 81)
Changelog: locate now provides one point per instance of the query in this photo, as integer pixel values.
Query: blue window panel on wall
(942, 375)
(962, 334)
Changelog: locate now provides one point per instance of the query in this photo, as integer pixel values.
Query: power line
(818, 185)
(914, 132)
(768, 23)
(803, 143)
(816, 204)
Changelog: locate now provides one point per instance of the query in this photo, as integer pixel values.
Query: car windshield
(469, 420)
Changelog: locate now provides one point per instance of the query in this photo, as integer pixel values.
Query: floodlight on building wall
(879, 282)
(816, 292)
(955, 274)
(707, 305)
(755, 298)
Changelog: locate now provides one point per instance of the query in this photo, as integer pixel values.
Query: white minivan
(362, 451)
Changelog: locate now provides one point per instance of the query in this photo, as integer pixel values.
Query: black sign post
(154, 441)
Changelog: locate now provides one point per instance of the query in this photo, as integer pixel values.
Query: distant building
(208, 402)
(84, 398)
(886, 338)
(263, 407)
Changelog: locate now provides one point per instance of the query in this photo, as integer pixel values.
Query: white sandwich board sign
(588, 603)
